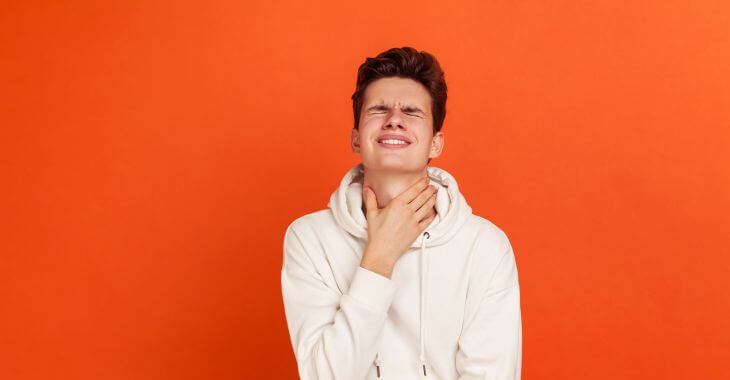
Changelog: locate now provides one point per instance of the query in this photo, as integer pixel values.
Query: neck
(388, 184)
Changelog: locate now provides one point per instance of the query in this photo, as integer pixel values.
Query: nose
(394, 120)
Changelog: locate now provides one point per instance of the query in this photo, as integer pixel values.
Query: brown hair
(405, 62)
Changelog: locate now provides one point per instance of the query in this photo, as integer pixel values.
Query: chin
(395, 165)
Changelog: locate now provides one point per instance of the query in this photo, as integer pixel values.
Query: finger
(412, 191)
(370, 199)
(427, 208)
(424, 223)
(422, 198)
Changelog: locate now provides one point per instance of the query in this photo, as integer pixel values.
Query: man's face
(396, 109)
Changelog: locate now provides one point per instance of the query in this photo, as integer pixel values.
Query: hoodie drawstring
(377, 364)
(424, 270)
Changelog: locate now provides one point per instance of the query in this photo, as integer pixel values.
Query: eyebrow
(383, 107)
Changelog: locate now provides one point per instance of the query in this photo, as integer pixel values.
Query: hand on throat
(388, 185)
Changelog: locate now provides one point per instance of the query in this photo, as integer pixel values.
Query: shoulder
(309, 224)
(493, 261)
(490, 245)
(310, 232)
(487, 233)
(302, 239)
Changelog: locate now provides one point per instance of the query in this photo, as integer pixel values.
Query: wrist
(377, 264)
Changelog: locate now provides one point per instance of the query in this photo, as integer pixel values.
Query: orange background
(153, 153)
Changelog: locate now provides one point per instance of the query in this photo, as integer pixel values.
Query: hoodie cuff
(371, 289)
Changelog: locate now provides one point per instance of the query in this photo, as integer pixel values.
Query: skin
(398, 200)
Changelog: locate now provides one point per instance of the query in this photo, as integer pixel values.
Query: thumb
(370, 200)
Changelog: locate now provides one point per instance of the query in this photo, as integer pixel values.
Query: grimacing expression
(401, 108)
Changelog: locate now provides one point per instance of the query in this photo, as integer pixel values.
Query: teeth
(394, 142)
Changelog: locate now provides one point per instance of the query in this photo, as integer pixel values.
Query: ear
(437, 145)
(355, 140)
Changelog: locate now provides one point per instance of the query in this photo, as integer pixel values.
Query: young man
(397, 279)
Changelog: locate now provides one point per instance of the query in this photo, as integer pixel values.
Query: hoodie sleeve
(334, 335)
(490, 346)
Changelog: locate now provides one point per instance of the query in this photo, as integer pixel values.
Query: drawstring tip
(377, 370)
(424, 370)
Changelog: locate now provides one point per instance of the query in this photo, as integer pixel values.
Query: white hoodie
(451, 309)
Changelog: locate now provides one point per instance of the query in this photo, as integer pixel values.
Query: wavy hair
(405, 62)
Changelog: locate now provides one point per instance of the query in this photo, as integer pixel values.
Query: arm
(490, 346)
(334, 336)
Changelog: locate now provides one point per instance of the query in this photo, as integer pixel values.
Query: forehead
(397, 91)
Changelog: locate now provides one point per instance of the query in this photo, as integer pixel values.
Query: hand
(392, 229)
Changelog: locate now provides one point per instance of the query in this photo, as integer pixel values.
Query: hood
(452, 210)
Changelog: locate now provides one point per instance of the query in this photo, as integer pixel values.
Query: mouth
(393, 142)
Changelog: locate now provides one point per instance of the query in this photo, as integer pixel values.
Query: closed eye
(412, 111)
(382, 109)
(377, 109)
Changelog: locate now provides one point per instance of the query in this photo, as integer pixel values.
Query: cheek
(369, 128)
(372, 120)
(424, 132)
